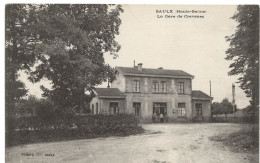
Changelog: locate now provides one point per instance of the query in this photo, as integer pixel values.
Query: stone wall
(105, 105)
(147, 98)
(206, 110)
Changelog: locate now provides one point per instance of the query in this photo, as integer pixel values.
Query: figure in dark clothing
(161, 118)
(154, 117)
(166, 117)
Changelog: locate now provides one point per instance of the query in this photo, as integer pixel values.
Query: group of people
(160, 117)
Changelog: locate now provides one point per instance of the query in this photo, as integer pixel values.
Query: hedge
(234, 119)
(37, 129)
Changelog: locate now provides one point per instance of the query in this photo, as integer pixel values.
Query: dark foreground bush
(35, 129)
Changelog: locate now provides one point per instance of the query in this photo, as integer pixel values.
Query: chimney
(160, 68)
(140, 66)
(108, 86)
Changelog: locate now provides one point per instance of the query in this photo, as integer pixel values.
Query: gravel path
(176, 143)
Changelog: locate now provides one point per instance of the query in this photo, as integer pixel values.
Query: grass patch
(245, 140)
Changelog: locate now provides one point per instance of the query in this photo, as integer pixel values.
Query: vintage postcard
(131, 83)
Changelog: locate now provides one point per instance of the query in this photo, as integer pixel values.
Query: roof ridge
(150, 68)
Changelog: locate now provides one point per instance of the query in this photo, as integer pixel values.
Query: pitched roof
(109, 93)
(154, 72)
(200, 95)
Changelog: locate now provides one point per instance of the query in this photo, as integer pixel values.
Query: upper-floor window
(163, 86)
(136, 85)
(155, 86)
(181, 87)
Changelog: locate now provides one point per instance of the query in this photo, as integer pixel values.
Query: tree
(20, 42)
(14, 88)
(249, 112)
(74, 39)
(244, 50)
(215, 108)
(26, 106)
(226, 107)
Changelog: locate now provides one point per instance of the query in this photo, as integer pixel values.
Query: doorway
(160, 108)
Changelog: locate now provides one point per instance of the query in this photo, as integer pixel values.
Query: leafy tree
(25, 106)
(18, 47)
(215, 108)
(74, 39)
(20, 42)
(226, 107)
(244, 50)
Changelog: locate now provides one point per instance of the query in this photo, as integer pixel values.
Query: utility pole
(233, 98)
(210, 88)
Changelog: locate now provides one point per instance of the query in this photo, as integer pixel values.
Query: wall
(147, 97)
(105, 105)
(206, 110)
(146, 84)
(147, 101)
(94, 101)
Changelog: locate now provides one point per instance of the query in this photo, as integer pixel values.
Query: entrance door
(159, 108)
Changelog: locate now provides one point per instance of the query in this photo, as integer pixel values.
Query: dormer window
(136, 85)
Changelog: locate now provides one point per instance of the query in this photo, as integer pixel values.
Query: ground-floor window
(113, 108)
(159, 108)
(198, 110)
(137, 108)
(96, 108)
(92, 109)
(181, 110)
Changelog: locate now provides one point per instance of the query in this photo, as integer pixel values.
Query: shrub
(67, 126)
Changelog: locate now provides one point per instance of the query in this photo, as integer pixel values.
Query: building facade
(148, 92)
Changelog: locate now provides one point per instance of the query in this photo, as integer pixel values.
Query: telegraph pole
(233, 100)
(210, 88)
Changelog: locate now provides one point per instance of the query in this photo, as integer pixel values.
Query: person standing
(154, 117)
(161, 118)
(166, 118)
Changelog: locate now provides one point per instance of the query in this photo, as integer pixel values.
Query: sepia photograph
(133, 83)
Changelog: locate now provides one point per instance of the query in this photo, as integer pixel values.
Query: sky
(194, 45)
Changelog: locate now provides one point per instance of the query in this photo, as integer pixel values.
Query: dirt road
(176, 143)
